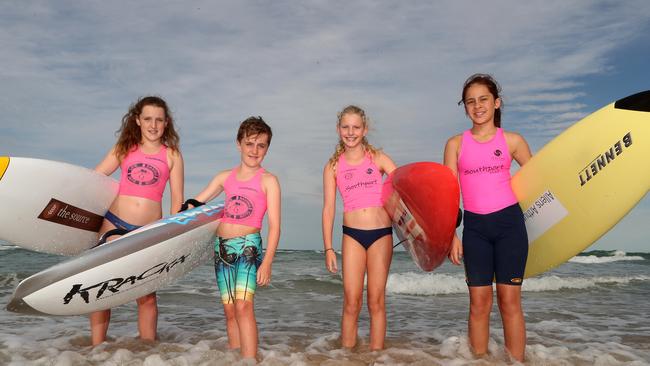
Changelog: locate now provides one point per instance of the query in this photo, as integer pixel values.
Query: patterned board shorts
(235, 264)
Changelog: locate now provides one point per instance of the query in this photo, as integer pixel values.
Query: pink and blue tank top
(144, 175)
(484, 174)
(359, 185)
(245, 200)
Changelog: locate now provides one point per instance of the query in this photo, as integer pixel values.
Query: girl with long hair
(356, 169)
(495, 243)
(148, 154)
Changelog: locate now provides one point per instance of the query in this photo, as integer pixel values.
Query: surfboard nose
(4, 163)
(636, 102)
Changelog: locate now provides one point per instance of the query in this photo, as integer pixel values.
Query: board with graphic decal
(584, 181)
(422, 201)
(124, 269)
(50, 206)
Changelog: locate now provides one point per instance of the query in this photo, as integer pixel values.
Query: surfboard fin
(636, 102)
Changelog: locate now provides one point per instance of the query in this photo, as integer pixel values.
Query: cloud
(546, 97)
(70, 70)
(549, 108)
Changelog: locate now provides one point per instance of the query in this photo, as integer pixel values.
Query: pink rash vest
(144, 175)
(484, 174)
(359, 185)
(245, 200)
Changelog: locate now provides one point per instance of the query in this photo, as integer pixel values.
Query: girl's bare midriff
(367, 218)
(136, 210)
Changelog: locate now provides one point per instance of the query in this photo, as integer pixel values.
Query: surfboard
(584, 181)
(422, 201)
(50, 206)
(124, 269)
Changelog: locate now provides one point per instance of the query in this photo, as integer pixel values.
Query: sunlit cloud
(70, 70)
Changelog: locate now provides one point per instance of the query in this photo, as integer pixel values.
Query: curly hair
(130, 134)
(340, 147)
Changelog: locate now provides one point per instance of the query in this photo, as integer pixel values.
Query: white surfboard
(52, 207)
(585, 181)
(124, 269)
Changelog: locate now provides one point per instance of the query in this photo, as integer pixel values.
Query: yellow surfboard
(584, 181)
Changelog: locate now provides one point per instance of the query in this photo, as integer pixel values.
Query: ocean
(593, 310)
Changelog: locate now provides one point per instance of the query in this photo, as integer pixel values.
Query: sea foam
(618, 255)
(425, 284)
(555, 283)
(7, 246)
(429, 284)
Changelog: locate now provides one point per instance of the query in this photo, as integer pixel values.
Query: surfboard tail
(639, 102)
(17, 305)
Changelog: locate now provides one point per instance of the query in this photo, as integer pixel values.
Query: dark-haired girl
(495, 243)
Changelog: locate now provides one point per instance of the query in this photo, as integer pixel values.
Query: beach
(593, 310)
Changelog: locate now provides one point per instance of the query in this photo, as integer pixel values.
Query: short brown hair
(253, 126)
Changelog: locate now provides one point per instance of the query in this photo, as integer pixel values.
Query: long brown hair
(340, 147)
(130, 134)
(490, 82)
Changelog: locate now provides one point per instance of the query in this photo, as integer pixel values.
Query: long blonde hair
(340, 147)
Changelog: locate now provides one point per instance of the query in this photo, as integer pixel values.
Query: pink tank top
(359, 185)
(484, 174)
(144, 175)
(245, 201)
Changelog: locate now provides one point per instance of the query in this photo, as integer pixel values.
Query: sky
(70, 69)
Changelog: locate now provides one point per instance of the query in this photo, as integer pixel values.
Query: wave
(556, 283)
(6, 246)
(425, 284)
(429, 284)
(608, 257)
(9, 280)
